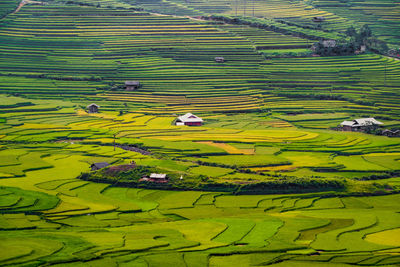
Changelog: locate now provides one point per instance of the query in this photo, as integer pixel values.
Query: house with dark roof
(132, 85)
(93, 108)
(98, 166)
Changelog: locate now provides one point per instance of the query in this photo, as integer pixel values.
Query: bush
(293, 186)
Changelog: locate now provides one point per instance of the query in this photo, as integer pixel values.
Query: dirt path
(134, 149)
(176, 16)
(24, 2)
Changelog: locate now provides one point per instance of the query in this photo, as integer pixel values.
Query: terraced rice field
(235, 143)
(7, 7)
(382, 16)
(173, 57)
(68, 221)
(179, 48)
(267, 119)
(339, 15)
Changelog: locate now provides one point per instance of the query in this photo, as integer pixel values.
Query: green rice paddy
(50, 217)
(268, 112)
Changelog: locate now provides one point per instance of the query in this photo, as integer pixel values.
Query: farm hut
(189, 119)
(220, 59)
(360, 125)
(390, 133)
(347, 126)
(132, 85)
(156, 177)
(93, 108)
(98, 166)
(318, 19)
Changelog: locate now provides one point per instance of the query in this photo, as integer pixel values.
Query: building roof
(132, 83)
(189, 117)
(93, 104)
(219, 58)
(361, 122)
(319, 18)
(367, 122)
(329, 43)
(158, 176)
(347, 123)
(100, 165)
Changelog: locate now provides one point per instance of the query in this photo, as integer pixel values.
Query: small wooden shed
(132, 85)
(98, 165)
(219, 59)
(318, 19)
(387, 132)
(93, 108)
(155, 177)
(390, 133)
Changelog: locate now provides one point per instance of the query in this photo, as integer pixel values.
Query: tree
(365, 32)
(376, 45)
(351, 31)
(203, 178)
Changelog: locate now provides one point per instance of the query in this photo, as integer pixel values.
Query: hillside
(174, 59)
(267, 179)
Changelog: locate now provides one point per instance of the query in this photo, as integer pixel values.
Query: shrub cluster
(385, 175)
(352, 44)
(131, 178)
(293, 186)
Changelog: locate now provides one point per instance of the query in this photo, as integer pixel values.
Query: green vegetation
(97, 227)
(358, 42)
(125, 222)
(178, 72)
(265, 181)
(7, 7)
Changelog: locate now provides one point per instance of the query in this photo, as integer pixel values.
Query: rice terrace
(200, 133)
